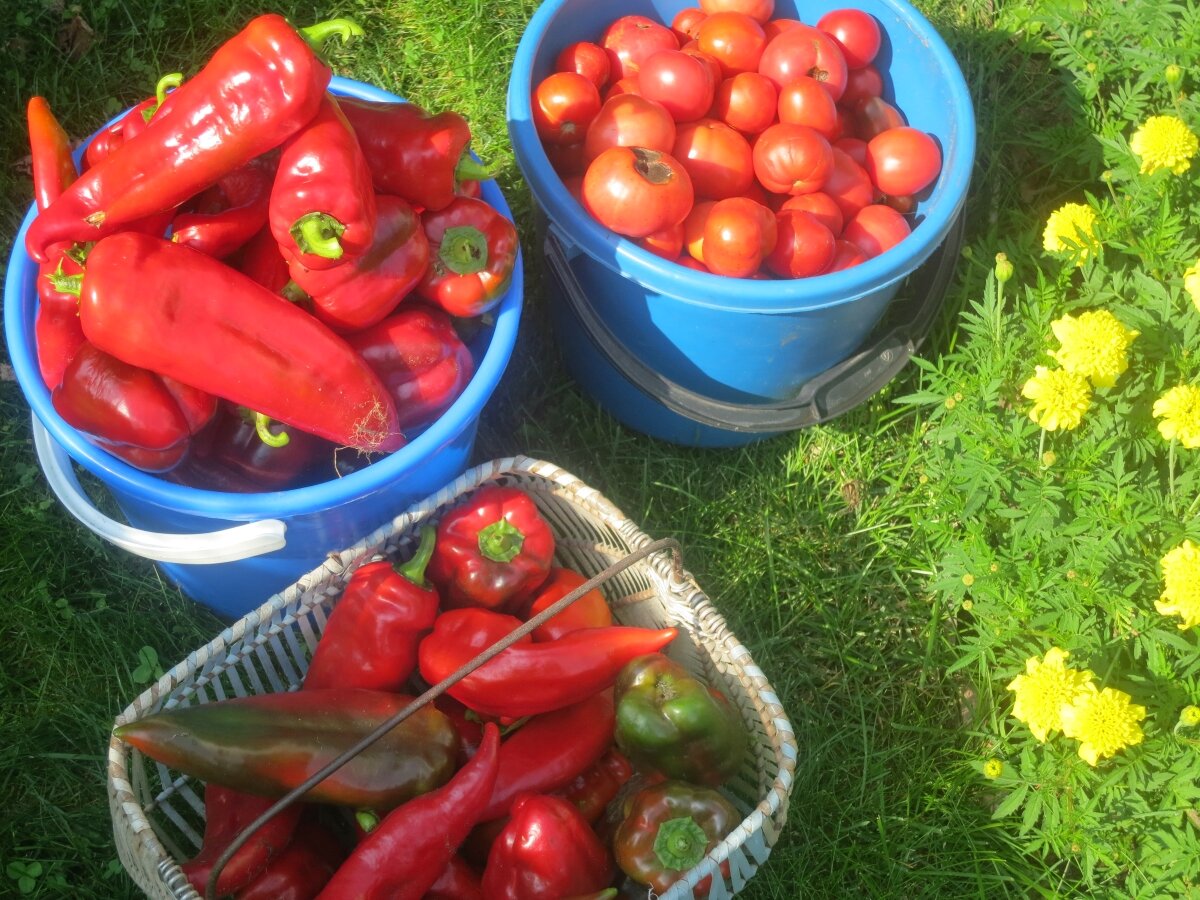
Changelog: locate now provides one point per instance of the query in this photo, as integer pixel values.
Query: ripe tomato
(820, 206)
(667, 243)
(630, 39)
(564, 105)
(682, 83)
(792, 159)
(874, 115)
(804, 50)
(845, 255)
(717, 158)
(774, 26)
(804, 101)
(686, 23)
(759, 10)
(738, 235)
(688, 263)
(855, 148)
(804, 247)
(622, 86)
(856, 32)
(903, 160)
(734, 40)
(861, 83)
(747, 101)
(636, 192)
(693, 228)
(566, 159)
(587, 59)
(901, 203)
(849, 185)
(713, 67)
(875, 229)
(629, 120)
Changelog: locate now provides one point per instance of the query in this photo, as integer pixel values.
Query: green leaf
(1010, 803)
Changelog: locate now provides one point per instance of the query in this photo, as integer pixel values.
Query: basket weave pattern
(157, 813)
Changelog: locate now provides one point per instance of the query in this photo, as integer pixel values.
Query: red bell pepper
(371, 638)
(421, 360)
(473, 250)
(362, 291)
(233, 211)
(131, 124)
(546, 852)
(257, 90)
(178, 312)
(322, 205)
(408, 851)
(593, 789)
(413, 154)
(304, 867)
(50, 153)
(458, 881)
(528, 678)
(493, 549)
(589, 611)
(58, 336)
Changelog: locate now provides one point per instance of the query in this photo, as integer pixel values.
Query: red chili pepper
(589, 611)
(233, 216)
(322, 208)
(371, 638)
(528, 678)
(131, 124)
(362, 291)
(412, 846)
(593, 789)
(258, 88)
(421, 360)
(493, 549)
(473, 250)
(304, 867)
(178, 312)
(413, 154)
(458, 881)
(50, 153)
(468, 725)
(546, 852)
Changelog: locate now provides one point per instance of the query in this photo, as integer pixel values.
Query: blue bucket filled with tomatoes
(752, 209)
(266, 315)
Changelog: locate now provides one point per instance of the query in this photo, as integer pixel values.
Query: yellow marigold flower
(1179, 409)
(1181, 584)
(1164, 142)
(1094, 344)
(1071, 228)
(1044, 689)
(993, 768)
(1189, 716)
(1191, 283)
(1060, 398)
(1103, 721)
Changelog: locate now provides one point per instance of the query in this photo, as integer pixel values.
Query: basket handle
(227, 545)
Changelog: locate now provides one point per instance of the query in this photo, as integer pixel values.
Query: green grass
(815, 545)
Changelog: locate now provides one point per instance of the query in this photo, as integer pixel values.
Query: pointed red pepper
(261, 261)
(131, 124)
(237, 212)
(304, 867)
(50, 153)
(473, 251)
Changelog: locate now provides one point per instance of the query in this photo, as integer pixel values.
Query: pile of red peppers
(250, 273)
(578, 762)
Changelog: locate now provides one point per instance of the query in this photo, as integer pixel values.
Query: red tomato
(845, 255)
(629, 120)
(804, 50)
(804, 101)
(849, 185)
(903, 161)
(682, 83)
(635, 191)
(566, 159)
(792, 159)
(667, 243)
(714, 67)
(804, 247)
(820, 206)
(759, 10)
(875, 229)
(873, 115)
(587, 59)
(622, 86)
(775, 26)
(855, 148)
(738, 235)
(564, 105)
(686, 23)
(902, 203)
(860, 84)
(717, 158)
(688, 263)
(630, 39)
(734, 40)
(856, 32)
(693, 229)
(747, 101)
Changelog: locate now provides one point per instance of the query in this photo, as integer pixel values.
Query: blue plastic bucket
(666, 349)
(224, 533)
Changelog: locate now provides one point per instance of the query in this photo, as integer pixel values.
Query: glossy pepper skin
(234, 210)
(596, 786)
(304, 867)
(458, 881)
(371, 638)
(50, 153)
(415, 842)
(175, 311)
(257, 89)
(270, 743)
(528, 678)
(322, 204)
(473, 250)
(669, 828)
(261, 261)
(362, 291)
(547, 851)
(589, 611)
(58, 333)
(493, 549)
(672, 722)
(131, 124)
(413, 154)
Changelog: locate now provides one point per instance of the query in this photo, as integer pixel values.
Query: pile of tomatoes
(736, 142)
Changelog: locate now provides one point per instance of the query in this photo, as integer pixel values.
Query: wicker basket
(157, 813)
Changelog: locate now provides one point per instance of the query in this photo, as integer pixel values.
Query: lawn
(851, 558)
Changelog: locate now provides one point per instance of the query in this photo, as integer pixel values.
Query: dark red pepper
(458, 881)
(235, 209)
(58, 337)
(421, 360)
(493, 550)
(593, 789)
(473, 250)
(303, 869)
(589, 611)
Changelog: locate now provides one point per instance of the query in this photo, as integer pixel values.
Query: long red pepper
(132, 123)
(50, 153)
(458, 881)
(304, 867)
(180, 313)
(236, 215)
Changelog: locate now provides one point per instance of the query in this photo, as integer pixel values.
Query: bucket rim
(690, 287)
(219, 505)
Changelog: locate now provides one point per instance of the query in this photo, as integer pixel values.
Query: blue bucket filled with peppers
(226, 541)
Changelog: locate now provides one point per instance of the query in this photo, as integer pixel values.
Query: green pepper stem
(414, 569)
(64, 283)
(366, 819)
(173, 80)
(679, 843)
(501, 541)
(317, 233)
(471, 169)
(262, 426)
(317, 35)
(464, 250)
(293, 293)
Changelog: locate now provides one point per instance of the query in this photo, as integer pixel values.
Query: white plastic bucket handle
(227, 545)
